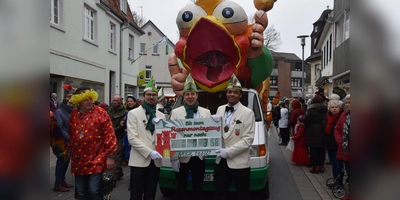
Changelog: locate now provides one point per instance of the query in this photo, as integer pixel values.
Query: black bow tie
(228, 108)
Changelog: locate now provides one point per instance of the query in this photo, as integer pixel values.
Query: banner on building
(141, 77)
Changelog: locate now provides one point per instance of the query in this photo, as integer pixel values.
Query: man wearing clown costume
(216, 41)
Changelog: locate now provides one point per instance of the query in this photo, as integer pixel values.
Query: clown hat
(160, 94)
(234, 83)
(190, 85)
(151, 86)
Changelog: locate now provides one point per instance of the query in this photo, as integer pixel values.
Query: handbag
(107, 183)
(290, 145)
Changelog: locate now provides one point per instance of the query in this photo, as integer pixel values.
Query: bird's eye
(227, 12)
(232, 15)
(189, 15)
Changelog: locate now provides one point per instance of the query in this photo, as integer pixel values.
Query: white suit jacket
(141, 140)
(239, 137)
(180, 113)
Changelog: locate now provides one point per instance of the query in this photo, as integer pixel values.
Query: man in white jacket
(195, 164)
(233, 159)
(144, 161)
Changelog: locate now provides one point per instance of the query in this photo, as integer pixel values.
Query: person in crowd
(54, 104)
(117, 114)
(287, 102)
(303, 103)
(130, 104)
(331, 119)
(296, 112)
(144, 161)
(104, 106)
(232, 163)
(196, 164)
(300, 152)
(284, 124)
(315, 133)
(342, 137)
(59, 143)
(276, 114)
(92, 143)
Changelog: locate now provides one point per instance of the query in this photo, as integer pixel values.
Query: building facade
(341, 58)
(286, 76)
(315, 58)
(155, 48)
(329, 59)
(92, 43)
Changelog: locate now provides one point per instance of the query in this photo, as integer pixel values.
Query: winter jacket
(117, 115)
(284, 121)
(300, 137)
(276, 114)
(330, 138)
(296, 112)
(314, 128)
(339, 138)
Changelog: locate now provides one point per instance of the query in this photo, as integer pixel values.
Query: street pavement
(287, 180)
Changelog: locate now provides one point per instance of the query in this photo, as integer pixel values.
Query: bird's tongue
(214, 60)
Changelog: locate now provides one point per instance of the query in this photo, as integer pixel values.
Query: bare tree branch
(138, 19)
(272, 38)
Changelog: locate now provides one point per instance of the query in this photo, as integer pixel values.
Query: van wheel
(168, 192)
(264, 193)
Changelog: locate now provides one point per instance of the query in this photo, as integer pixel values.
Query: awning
(321, 81)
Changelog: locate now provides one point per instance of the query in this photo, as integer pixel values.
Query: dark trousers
(284, 134)
(196, 166)
(337, 165)
(89, 187)
(117, 172)
(223, 176)
(61, 169)
(317, 156)
(144, 182)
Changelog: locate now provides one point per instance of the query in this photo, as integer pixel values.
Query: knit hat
(190, 85)
(160, 94)
(234, 83)
(104, 105)
(151, 86)
(300, 118)
(131, 96)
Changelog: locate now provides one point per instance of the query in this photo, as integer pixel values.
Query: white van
(259, 160)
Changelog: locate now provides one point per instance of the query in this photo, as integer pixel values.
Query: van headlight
(258, 150)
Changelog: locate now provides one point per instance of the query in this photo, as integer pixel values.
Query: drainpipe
(120, 55)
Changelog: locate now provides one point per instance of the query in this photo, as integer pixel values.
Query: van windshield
(212, 101)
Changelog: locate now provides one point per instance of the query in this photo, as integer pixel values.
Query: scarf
(331, 120)
(346, 134)
(190, 110)
(150, 110)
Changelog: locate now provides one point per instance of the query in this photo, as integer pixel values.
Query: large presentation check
(188, 137)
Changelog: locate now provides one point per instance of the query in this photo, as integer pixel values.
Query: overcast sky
(290, 17)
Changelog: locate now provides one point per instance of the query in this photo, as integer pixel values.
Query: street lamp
(303, 43)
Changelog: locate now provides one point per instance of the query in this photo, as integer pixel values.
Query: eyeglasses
(150, 95)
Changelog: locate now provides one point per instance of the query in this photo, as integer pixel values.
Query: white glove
(222, 153)
(175, 164)
(216, 118)
(156, 120)
(155, 155)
